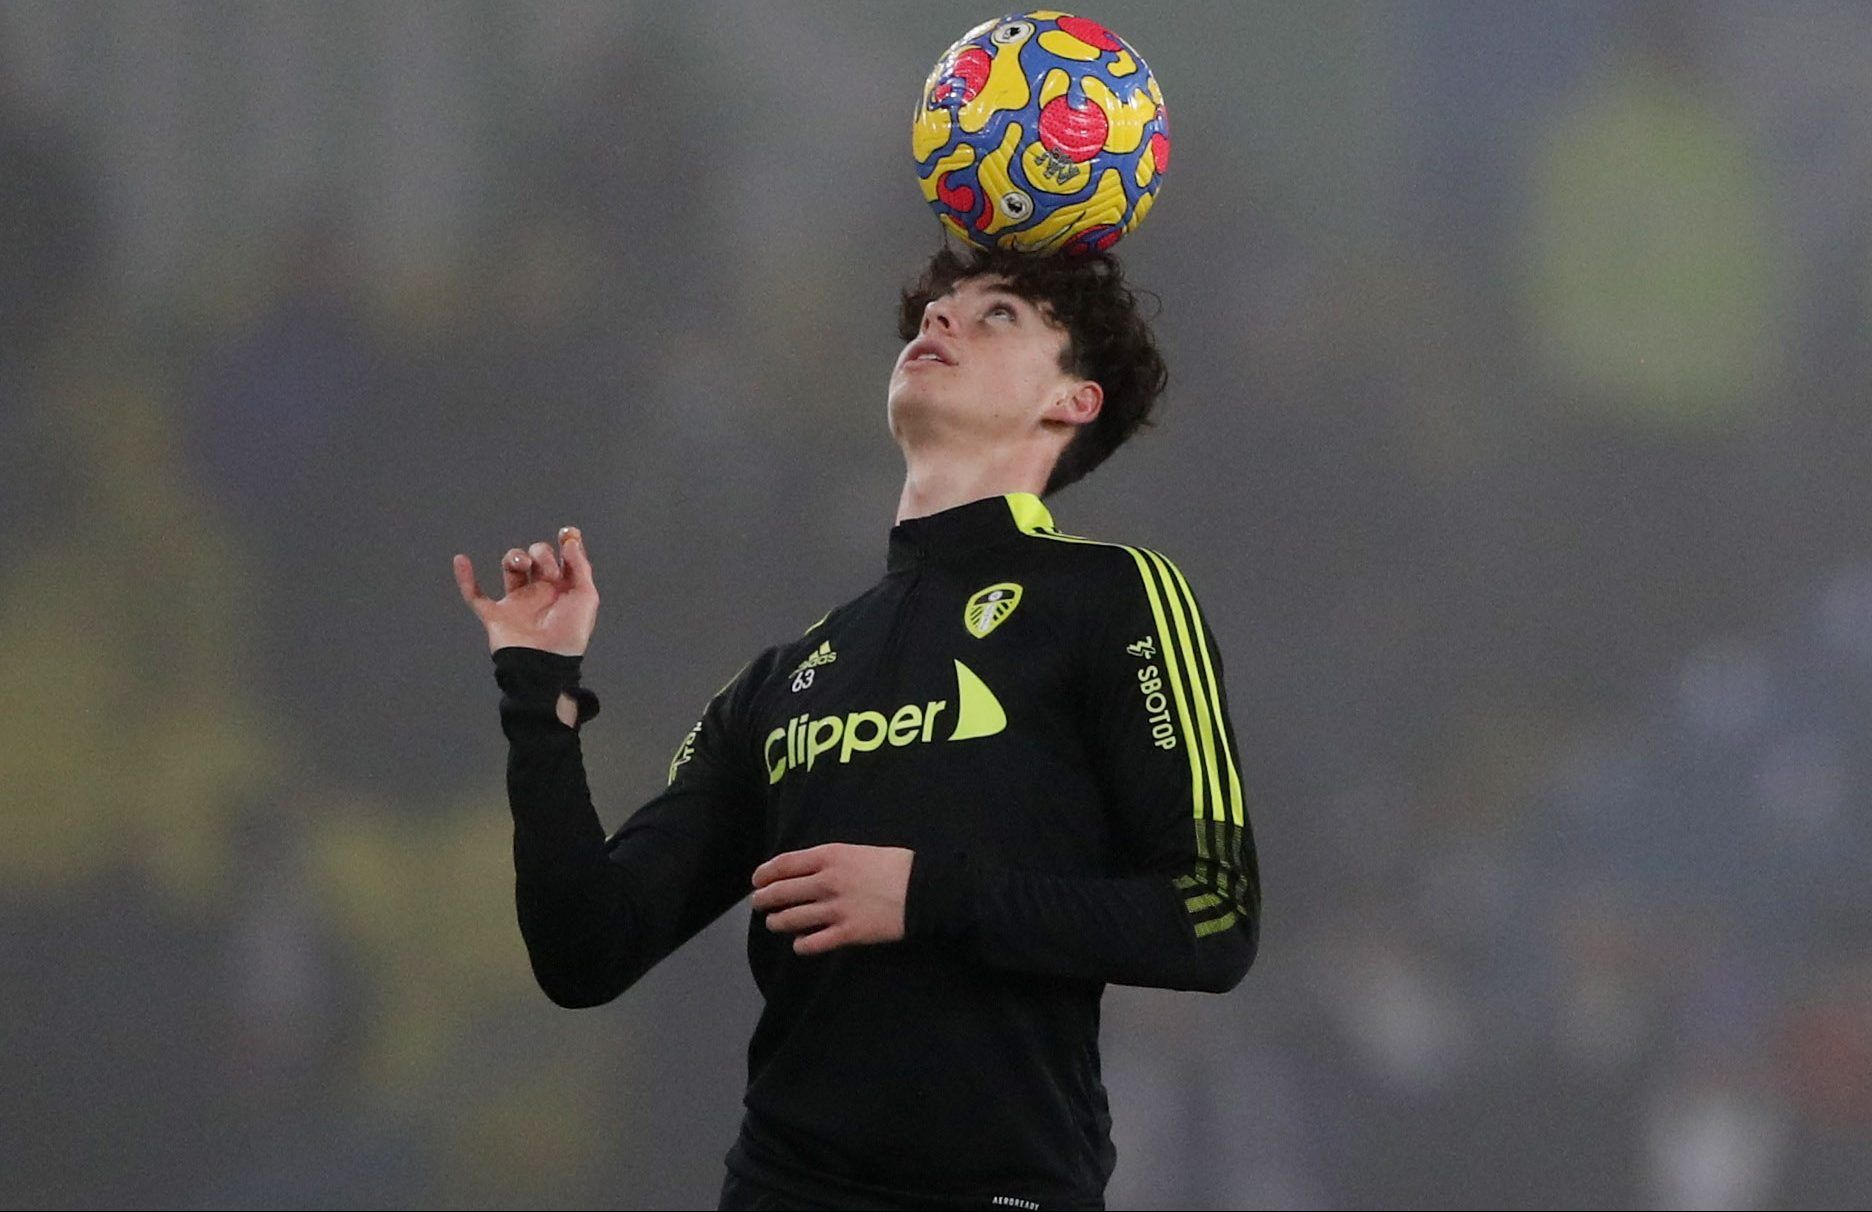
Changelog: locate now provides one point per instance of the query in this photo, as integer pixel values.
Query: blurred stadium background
(1518, 445)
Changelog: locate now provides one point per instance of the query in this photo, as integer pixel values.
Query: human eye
(1005, 308)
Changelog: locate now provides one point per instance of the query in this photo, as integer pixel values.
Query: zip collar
(960, 529)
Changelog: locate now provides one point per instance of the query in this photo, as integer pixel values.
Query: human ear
(1083, 405)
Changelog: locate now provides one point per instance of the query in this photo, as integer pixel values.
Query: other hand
(836, 894)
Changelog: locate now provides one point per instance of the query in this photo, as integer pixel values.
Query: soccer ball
(1043, 133)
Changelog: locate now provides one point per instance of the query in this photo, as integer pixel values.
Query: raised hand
(550, 603)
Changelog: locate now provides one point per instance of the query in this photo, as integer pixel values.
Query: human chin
(907, 392)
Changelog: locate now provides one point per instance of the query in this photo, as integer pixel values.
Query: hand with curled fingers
(550, 601)
(835, 895)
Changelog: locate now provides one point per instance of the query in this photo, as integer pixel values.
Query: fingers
(792, 863)
(803, 917)
(545, 563)
(792, 892)
(534, 563)
(800, 896)
(465, 581)
(515, 567)
(820, 941)
(578, 571)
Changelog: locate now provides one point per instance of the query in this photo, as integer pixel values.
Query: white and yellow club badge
(988, 608)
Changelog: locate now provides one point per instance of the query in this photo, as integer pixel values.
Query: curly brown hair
(1109, 341)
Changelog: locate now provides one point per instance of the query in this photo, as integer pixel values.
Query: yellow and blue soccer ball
(1041, 132)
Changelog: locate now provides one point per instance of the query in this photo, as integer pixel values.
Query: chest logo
(803, 740)
(988, 608)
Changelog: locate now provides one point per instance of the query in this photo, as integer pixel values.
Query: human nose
(936, 315)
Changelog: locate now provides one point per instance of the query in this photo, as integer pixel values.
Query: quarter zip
(901, 617)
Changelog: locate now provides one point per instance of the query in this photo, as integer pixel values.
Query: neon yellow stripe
(1236, 811)
(1172, 665)
(1218, 806)
(1029, 513)
(1033, 519)
(1170, 657)
(1215, 925)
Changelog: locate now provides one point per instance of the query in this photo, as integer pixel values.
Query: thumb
(469, 586)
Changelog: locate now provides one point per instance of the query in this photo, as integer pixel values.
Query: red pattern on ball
(961, 198)
(966, 77)
(1160, 150)
(1091, 33)
(1097, 239)
(1076, 134)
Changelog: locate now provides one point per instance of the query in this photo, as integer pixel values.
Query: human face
(984, 360)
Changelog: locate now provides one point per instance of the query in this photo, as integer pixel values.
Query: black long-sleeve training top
(1041, 718)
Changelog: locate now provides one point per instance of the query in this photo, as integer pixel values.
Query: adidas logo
(822, 655)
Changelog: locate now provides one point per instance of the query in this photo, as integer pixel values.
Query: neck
(935, 481)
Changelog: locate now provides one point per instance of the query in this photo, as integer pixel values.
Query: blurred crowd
(1516, 448)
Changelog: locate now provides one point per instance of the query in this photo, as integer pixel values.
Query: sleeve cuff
(532, 679)
(939, 902)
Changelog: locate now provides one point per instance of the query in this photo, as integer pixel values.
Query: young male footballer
(965, 801)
